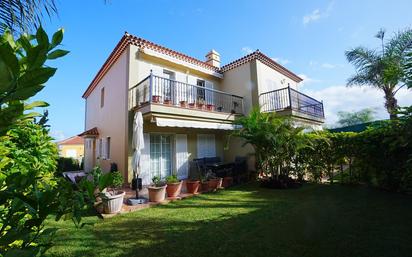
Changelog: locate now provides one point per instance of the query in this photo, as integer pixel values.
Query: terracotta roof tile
(90, 132)
(128, 39)
(264, 59)
(75, 140)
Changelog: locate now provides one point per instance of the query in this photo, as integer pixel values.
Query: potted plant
(204, 183)
(192, 186)
(157, 191)
(192, 105)
(227, 181)
(167, 101)
(214, 182)
(200, 104)
(174, 186)
(210, 107)
(112, 199)
(156, 98)
(183, 104)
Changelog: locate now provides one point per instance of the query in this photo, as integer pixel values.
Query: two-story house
(188, 106)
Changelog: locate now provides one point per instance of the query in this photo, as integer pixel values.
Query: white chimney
(213, 58)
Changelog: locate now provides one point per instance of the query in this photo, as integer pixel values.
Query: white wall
(111, 119)
(269, 79)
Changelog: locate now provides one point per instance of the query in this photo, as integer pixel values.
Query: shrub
(67, 164)
(172, 179)
(117, 179)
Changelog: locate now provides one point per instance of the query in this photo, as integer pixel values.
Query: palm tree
(24, 15)
(382, 69)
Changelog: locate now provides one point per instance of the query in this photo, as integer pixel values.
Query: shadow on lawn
(244, 221)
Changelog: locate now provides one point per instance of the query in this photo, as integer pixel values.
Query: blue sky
(308, 37)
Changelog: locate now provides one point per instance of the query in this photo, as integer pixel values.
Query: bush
(67, 164)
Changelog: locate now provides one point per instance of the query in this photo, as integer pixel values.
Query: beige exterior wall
(111, 119)
(66, 150)
(268, 79)
(239, 81)
(141, 64)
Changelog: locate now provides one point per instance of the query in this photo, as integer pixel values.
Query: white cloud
(247, 50)
(328, 65)
(317, 14)
(58, 135)
(349, 99)
(281, 60)
(307, 80)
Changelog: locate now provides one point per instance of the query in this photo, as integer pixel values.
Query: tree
(353, 118)
(384, 69)
(24, 15)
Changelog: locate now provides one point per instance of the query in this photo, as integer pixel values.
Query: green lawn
(315, 221)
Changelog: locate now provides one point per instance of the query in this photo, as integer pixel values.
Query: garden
(314, 193)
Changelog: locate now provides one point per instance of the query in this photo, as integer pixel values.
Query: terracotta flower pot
(183, 104)
(167, 102)
(200, 106)
(157, 194)
(205, 186)
(173, 189)
(192, 105)
(210, 107)
(156, 98)
(227, 181)
(214, 183)
(192, 186)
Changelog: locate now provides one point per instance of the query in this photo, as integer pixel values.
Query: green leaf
(35, 104)
(9, 58)
(57, 54)
(57, 38)
(36, 77)
(24, 93)
(42, 38)
(36, 57)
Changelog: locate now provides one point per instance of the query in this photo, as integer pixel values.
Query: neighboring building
(188, 105)
(72, 147)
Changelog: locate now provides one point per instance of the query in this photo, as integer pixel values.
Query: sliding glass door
(160, 155)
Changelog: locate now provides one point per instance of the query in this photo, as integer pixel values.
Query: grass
(315, 220)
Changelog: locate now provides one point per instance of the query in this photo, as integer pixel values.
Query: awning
(164, 122)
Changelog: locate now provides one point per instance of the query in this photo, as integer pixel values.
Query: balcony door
(160, 155)
(167, 86)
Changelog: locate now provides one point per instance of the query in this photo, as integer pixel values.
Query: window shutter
(145, 161)
(206, 146)
(209, 94)
(182, 161)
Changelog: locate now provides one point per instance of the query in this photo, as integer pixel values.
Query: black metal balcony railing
(290, 99)
(155, 89)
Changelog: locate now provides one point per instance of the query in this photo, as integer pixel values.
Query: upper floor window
(200, 91)
(102, 97)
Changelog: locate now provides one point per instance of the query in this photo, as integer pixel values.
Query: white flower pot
(113, 203)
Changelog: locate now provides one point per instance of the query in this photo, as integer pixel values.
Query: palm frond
(400, 44)
(24, 15)
(361, 57)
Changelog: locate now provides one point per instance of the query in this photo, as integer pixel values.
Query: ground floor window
(160, 155)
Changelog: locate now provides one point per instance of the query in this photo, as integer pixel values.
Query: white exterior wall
(111, 119)
(269, 79)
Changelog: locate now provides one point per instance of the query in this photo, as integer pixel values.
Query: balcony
(290, 101)
(163, 92)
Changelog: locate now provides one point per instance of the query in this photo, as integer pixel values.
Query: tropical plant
(385, 69)
(23, 73)
(24, 16)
